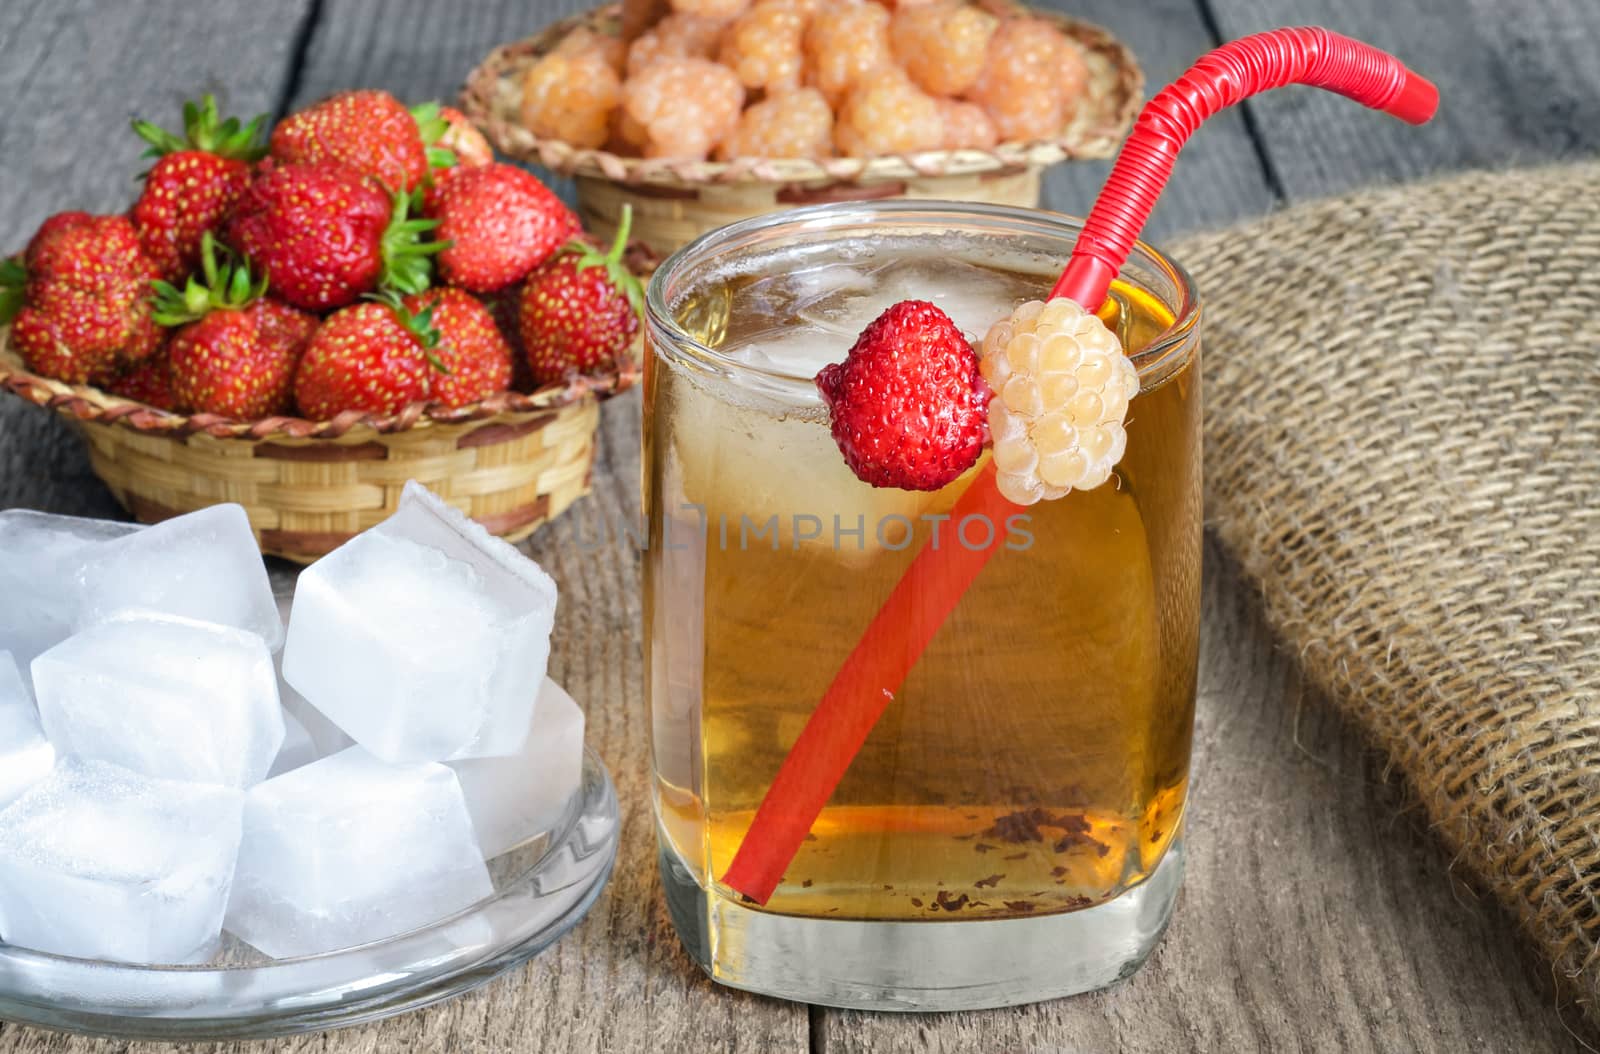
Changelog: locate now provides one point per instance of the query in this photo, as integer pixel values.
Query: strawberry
(580, 311)
(505, 307)
(908, 406)
(462, 138)
(234, 353)
(148, 382)
(376, 357)
(84, 304)
(369, 132)
(474, 359)
(193, 184)
(500, 223)
(324, 236)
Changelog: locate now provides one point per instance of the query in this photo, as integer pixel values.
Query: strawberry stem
(406, 265)
(625, 280)
(204, 129)
(224, 285)
(418, 323)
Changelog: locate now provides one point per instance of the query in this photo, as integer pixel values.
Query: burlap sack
(1403, 449)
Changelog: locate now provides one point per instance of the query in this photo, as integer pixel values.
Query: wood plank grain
(73, 74)
(1314, 916)
(1519, 83)
(1219, 178)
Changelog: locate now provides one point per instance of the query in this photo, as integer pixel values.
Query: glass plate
(542, 889)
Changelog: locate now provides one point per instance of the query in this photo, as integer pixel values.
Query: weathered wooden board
(1519, 83)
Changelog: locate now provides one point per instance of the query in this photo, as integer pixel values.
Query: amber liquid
(1036, 759)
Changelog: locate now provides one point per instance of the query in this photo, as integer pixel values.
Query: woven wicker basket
(674, 201)
(512, 462)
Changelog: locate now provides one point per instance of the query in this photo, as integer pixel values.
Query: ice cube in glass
(25, 755)
(425, 638)
(102, 863)
(203, 565)
(514, 798)
(169, 697)
(349, 850)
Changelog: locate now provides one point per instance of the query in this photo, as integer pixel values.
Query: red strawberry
(369, 132)
(505, 307)
(235, 353)
(324, 236)
(84, 307)
(373, 357)
(462, 138)
(500, 223)
(191, 188)
(148, 382)
(908, 405)
(474, 357)
(580, 311)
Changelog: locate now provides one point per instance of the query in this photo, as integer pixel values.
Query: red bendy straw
(937, 578)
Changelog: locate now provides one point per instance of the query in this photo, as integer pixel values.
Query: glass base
(922, 966)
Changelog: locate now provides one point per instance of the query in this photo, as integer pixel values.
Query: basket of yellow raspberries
(701, 112)
(302, 325)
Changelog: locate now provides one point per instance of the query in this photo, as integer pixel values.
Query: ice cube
(424, 638)
(25, 755)
(326, 737)
(297, 749)
(204, 565)
(39, 558)
(349, 850)
(514, 798)
(103, 863)
(169, 697)
(974, 297)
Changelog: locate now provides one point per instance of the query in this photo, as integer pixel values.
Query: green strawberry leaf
(13, 278)
(223, 284)
(406, 265)
(203, 129)
(617, 273)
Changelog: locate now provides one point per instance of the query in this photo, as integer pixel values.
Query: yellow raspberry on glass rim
(1062, 386)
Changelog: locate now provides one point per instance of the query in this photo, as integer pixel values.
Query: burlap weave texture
(1403, 450)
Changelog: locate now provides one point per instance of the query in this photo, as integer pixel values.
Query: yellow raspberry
(1031, 80)
(967, 126)
(1062, 387)
(570, 97)
(686, 106)
(844, 44)
(887, 114)
(583, 41)
(677, 36)
(763, 45)
(942, 46)
(711, 8)
(791, 124)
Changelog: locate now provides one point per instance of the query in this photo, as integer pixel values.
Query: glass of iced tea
(1012, 828)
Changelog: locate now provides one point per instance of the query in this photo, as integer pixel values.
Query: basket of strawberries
(303, 326)
(702, 112)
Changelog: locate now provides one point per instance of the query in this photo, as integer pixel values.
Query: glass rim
(1154, 357)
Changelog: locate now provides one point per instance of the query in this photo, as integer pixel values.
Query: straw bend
(1233, 72)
